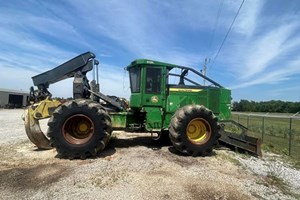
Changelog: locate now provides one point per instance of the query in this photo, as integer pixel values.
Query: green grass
(274, 132)
(229, 158)
(274, 180)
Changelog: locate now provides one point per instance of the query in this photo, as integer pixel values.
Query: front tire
(193, 130)
(79, 129)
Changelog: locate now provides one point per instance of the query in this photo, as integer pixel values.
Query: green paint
(120, 120)
(153, 101)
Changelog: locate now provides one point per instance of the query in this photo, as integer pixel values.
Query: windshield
(135, 79)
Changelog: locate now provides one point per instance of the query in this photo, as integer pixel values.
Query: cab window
(135, 79)
(153, 80)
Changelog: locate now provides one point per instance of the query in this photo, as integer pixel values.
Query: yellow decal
(184, 90)
(154, 99)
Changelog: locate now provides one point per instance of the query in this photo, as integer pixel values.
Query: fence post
(248, 121)
(290, 137)
(238, 118)
(263, 129)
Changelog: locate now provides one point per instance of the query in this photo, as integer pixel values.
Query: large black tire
(194, 130)
(79, 129)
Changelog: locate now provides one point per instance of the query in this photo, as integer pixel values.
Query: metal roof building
(13, 98)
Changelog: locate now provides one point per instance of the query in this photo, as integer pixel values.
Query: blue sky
(259, 60)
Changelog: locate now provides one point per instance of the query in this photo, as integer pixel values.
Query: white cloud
(282, 92)
(259, 50)
(248, 17)
(148, 30)
(113, 81)
(21, 49)
(267, 55)
(273, 77)
(264, 50)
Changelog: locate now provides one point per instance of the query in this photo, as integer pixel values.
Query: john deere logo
(154, 99)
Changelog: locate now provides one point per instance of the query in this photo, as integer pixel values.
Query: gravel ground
(135, 167)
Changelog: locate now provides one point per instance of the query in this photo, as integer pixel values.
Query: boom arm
(82, 63)
(76, 67)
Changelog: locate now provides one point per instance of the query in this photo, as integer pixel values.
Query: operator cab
(147, 83)
(157, 88)
(152, 81)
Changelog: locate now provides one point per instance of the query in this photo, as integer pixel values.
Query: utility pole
(206, 61)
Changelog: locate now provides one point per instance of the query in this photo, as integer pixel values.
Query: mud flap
(239, 141)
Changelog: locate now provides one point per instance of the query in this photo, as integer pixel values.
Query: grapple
(31, 117)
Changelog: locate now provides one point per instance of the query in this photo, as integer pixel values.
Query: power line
(215, 26)
(227, 33)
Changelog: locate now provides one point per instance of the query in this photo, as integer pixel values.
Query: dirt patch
(206, 191)
(132, 167)
(32, 177)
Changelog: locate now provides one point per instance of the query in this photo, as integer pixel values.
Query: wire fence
(279, 132)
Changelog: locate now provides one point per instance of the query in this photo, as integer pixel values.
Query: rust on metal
(34, 132)
(240, 141)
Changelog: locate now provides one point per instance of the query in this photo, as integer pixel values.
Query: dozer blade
(240, 141)
(34, 132)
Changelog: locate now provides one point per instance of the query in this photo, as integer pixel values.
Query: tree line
(266, 106)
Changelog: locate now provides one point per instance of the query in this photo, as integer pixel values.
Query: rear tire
(79, 129)
(194, 130)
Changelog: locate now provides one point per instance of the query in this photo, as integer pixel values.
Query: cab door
(154, 87)
(154, 96)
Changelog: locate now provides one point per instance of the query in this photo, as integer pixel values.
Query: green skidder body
(174, 101)
(215, 99)
(152, 94)
(169, 100)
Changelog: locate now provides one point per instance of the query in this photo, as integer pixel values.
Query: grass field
(274, 130)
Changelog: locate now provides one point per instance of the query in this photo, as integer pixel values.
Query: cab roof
(151, 63)
(147, 62)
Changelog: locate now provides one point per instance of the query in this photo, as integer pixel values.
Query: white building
(13, 98)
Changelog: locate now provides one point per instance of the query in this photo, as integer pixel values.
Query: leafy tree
(266, 106)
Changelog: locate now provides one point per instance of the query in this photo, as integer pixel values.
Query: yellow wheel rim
(78, 129)
(83, 127)
(198, 131)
